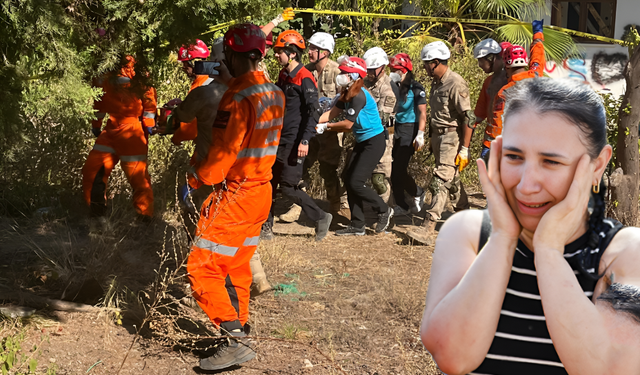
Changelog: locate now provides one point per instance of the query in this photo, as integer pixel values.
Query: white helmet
(375, 58)
(486, 47)
(435, 50)
(323, 41)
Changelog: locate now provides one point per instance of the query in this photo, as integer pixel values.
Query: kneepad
(378, 181)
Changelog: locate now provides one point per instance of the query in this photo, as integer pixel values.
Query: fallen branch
(38, 302)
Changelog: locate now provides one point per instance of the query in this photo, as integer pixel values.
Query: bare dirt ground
(345, 305)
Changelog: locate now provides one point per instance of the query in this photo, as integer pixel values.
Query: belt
(450, 129)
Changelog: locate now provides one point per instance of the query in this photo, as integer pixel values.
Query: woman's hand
(561, 222)
(503, 220)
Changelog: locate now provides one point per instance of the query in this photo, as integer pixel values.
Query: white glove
(418, 142)
(321, 127)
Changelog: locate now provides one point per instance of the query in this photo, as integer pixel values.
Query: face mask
(395, 77)
(343, 80)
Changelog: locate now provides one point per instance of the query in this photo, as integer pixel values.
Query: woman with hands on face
(556, 287)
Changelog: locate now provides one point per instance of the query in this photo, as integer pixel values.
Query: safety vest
(246, 133)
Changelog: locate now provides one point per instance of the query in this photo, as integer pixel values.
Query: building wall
(601, 65)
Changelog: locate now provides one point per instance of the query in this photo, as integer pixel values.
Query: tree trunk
(624, 188)
(307, 18)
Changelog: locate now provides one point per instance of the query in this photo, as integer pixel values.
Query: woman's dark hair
(580, 105)
(405, 85)
(294, 49)
(574, 100)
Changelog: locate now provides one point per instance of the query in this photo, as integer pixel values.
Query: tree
(624, 181)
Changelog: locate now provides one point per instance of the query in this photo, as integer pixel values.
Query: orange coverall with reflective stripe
(188, 131)
(246, 134)
(537, 62)
(123, 139)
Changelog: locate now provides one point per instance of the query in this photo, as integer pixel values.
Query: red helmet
(505, 45)
(290, 38)
(245, 37)
(352, 65)
(270, 39)
(194, 51)
(515, 57)
(402, 62)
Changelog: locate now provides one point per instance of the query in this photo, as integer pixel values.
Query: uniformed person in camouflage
(450, 113)
(379, 86)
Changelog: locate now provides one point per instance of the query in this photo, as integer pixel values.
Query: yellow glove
(462, 160)
(288, 14)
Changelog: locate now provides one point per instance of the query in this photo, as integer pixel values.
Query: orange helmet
(290, 38)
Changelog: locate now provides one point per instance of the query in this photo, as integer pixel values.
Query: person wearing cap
(325, 148)
(379, 86)
(450, 113)
(302, 112)
(362, 118)
(245, 137)
(410, 125)
(489, 55)
(518, 67)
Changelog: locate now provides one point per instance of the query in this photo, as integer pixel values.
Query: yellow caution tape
(427, 19)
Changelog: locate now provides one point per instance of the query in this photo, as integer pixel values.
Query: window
(589, 16)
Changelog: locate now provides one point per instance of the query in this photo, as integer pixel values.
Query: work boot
(259, 283)
(266, 233)
(424, 232)
(292, 215)
(322, 226)
(383, 220)
(341, 209)
(233, 351)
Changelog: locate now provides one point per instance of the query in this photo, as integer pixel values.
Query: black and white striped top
(522, 344)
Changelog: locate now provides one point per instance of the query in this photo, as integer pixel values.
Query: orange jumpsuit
(536, 69)
(123, 139)
(245, 138)
(188, 131)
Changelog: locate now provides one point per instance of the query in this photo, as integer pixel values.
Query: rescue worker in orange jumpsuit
(489, 55)
(516, 63)
(188, 131)
(245, 137)
(131, 106)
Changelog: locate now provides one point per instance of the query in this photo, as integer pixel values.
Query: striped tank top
(522, 344)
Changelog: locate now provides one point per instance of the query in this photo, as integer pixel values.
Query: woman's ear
(601, 162)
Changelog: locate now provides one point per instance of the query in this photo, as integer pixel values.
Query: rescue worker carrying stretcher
(131, 107)
(450, 112)
(245, 137)
(360, 117)
(489, 55)
(380, 87)
(300, 120)
(408, 137)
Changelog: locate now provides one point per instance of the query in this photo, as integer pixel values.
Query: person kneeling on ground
(360, 116)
